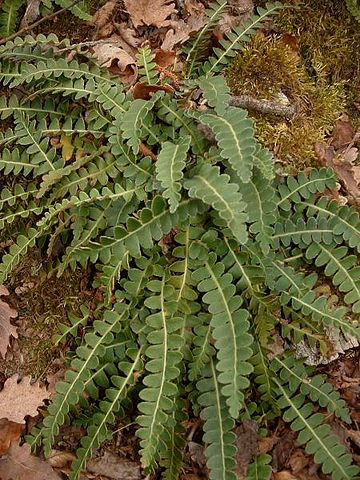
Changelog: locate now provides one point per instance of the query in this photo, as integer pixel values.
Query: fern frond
(264, 162)
(97, 432)
(298, 376)
(169, 170)
(215, 189)
(202, 351)
(345, 220)
(195, 48)
(259, 196)
(218, 436)
(230, 330)
(87, 360)
(234, 39)
(80, 10)
(296, 189)
(9, 16)
(152, 224)
(341, 267)
(315, 434)
(305, 232)
(133, 120)
(234, 132)
(216, 92)
(21, 246)
(148, 73)
(164, 355)
(259, 469)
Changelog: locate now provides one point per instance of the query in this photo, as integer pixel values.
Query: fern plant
(200, 254)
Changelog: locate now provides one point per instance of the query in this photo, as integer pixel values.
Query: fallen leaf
(20, 399)
(128, 35)
(32, 12)
(101, 19)
(342, 167)
(60, 459)
(247, 446)
(9, 431)
(117, 60)
(164, 58)
(342, 134)
(6, 329)
(114, 467)
(181, 31)
(149, 12)
(67, 147)
(193, 7)
(19, 464)
(144, 91)
(284, 475)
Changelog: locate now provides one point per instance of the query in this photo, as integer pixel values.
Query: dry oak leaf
(19, 464)
(149, 12)
(101, 19)
(180, 31)
(9, 431)
(117, 61)
(20, 399)
(6, 329)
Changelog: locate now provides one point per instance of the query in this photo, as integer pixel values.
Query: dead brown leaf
(114, 467)
(144, 91)
(193, 7)
(284, 475)
(6, 329)
(20, 399)
(60, 459)
(150, 12)
(180, 31)
(19, 464)
(247, 446)
(342, 134)
(342, 167)
(31, 13)
(9, 432)
(164, 58)
(117, 60)
(101, 19)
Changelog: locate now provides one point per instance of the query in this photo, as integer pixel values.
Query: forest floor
(308, 60)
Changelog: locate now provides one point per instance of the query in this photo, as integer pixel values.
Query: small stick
(263, 106)
(39, 22)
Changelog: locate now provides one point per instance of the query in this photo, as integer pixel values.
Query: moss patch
(321, 77)
(44, 303)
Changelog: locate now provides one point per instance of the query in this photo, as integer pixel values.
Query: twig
(263, 106)
(39, 22)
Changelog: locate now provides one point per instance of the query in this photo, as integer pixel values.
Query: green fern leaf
(259, 469)
(220, 451)
(234, 133)
(343, 269)
(9, 16)
(148, 73)
(97, 432)
(230, 330)
(213, 188)
(234, 39)
(216, 92)
(316, 435)
(195, 49)
(169, 170)
(164, 356)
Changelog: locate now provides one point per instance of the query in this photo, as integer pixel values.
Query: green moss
(269, 69)
(44, 303)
